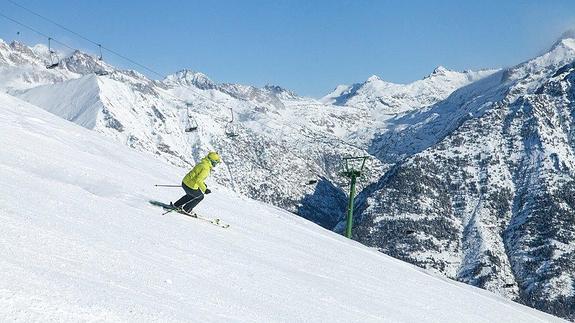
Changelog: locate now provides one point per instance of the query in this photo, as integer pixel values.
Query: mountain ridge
(493, 177)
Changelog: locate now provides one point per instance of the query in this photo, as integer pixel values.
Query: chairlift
(313, 181)
(99, 66)
(101, 56)
(191, 124)
(232, 130)
(101, 72)
(52, 54)
(310, 182)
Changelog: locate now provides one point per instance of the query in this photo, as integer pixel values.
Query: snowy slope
(79, 242)
(77, 100)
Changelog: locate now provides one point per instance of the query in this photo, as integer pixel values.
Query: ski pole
(165, 185)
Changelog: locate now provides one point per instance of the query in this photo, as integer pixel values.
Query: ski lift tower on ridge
(352, 168)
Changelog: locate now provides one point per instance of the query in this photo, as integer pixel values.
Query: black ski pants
(191, 199)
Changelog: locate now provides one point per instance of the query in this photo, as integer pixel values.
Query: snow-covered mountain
(378, 101)
(81, 243)
(470, 172)
(285, 141)
(483, 182)
(286, 151)
(392, 98)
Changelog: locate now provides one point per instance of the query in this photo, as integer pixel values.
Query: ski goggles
(214, 162)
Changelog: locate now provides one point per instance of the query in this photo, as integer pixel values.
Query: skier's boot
(189, 213)
(176, 208)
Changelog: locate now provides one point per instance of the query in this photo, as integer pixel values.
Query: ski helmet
(214, 157)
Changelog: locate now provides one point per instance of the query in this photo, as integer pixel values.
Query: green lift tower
(352, 168)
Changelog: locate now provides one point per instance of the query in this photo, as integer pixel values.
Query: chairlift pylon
(191, 124)
(353, 169)
(231, 128)
(53, 63)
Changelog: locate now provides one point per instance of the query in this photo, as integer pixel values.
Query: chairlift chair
(52, 54)
(313, 180)
(52, 66)
(100, 71)
(191, 124)
(232, 130)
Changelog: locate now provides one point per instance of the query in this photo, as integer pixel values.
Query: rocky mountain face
(482, 187)
(470, 175)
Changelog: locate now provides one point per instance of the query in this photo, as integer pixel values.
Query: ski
(214, 221)
(168, 208)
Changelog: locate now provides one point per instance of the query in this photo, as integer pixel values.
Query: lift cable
(87, 39)
(36, 31)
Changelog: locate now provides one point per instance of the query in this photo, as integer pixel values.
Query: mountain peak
(373, 78)
(276, 89)
(190, 74)
(568, 34)
(20, 47)
(440, 70)
(188, 77)
(566, 40)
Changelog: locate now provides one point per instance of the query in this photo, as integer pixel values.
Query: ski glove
(207, 191)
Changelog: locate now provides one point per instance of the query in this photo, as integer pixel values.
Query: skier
(193, 183)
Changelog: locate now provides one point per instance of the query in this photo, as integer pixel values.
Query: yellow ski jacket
(196, 177)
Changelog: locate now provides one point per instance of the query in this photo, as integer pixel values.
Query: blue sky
(307, 46)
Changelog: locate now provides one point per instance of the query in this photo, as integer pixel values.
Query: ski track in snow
(79, 242)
